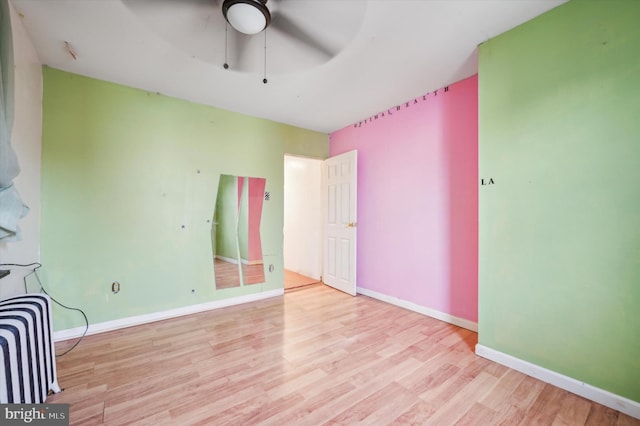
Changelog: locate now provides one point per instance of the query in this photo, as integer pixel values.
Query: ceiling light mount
(247, 16)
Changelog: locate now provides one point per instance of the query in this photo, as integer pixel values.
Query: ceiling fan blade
(287, 26)
(189, 25)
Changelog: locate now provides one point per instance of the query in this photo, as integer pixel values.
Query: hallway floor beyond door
(294, 280)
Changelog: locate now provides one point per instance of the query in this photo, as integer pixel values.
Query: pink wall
(418, 199)
(256, 198)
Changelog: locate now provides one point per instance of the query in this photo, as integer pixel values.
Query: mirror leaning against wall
(235, 232)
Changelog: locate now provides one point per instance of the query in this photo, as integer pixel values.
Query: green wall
(226, 216)
(559, 243)
(129, 182)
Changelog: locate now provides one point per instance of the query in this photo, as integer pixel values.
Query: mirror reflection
(235, 233)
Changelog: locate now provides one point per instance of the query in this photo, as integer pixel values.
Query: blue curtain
(12, 209)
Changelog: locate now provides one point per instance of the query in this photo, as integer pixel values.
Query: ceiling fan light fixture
(247, 16)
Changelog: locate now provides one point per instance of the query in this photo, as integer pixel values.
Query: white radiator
(27, 354)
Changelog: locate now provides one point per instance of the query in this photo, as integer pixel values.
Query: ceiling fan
(299, 34)
(247, 16)
(251, 17)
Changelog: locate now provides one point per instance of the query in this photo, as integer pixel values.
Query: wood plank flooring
(295, 280)
(315, 356)
(228, 275)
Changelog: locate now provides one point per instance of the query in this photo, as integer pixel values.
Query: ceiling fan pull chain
(264, 80)
(226, 31)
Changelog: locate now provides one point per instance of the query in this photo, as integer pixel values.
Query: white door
(339, 188)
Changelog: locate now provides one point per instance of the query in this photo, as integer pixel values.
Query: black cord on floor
(34, 271)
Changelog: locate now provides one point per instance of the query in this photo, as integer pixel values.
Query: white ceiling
(347, 59)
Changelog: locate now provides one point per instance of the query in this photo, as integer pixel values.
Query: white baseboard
(227, 259)
(442, 316)
(158, 316)
(601, 396)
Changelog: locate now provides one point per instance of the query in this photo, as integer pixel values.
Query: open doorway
(302, 221)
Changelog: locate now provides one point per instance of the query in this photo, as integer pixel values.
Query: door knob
(351, 225)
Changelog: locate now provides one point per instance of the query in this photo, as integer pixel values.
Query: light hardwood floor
(315, 356)
(296, 280)
(228, 275)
